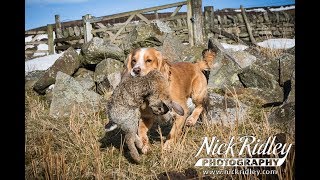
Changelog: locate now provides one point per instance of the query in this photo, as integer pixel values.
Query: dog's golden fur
(186, 80)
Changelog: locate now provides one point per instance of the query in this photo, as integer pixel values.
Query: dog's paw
(145, 149)
(191, 121)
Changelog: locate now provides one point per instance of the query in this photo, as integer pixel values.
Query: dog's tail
(209, 56)
(110, 126)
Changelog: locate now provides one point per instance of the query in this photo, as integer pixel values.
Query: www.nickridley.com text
(248, 171)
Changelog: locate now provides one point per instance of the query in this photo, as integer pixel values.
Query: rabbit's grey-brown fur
(124, 106)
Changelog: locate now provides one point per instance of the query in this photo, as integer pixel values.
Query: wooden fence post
(58, 26)
(208, 19)
(196, 6)
(50, 39)
(87, 27)
(156, 14)
(247, 25)
(189, 22)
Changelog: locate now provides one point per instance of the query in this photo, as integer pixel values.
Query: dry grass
(271, 53)
(76, 147)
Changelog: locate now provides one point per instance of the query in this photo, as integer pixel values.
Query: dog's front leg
(144, 125)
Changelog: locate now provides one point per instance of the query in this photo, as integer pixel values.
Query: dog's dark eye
(134, 61)
(149, 60)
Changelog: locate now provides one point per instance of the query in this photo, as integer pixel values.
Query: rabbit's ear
(173, 105)
(177, 108)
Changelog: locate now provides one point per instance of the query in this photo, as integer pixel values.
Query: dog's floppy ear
(128, 60)
(160, 59)
(126, 70)
(163, 65)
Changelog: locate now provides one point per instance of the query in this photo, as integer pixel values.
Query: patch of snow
(78, 51)
(43, 47)
(234, 47)
(29, 46)
(282, 8)
(51, 86)
(280, 43)
(250, 10)
(28, 39)
(39, 54)
(41, 63)
(41, 36)
(135, 22)
(256, 10)
(271, 9)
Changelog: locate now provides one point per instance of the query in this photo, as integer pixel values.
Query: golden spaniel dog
(186, 80)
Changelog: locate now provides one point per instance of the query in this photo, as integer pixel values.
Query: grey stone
(284, 117)
(224, 73)
(68, 95)
(276, 33)
(67, 63)
(287, 65)
(225, 110)
(265, 33)
(172, 48)
(260, 96)
(292, 93)
(243, 58)
(85, 78)
(243, 35)
(110, 69)
(97, 50)
(31, 78)
(258, 77)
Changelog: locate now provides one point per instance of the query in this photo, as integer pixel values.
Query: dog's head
(142, 61)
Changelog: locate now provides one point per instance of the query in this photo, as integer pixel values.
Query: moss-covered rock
(68, 94)
(97, 50)
(110, 69)
(68, 63)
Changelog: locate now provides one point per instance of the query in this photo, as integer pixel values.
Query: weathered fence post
(208, 19)
(50, 39)
(58, 26)
(196, 6)
(156, 14)
(189, 23)
(87, 27)
(247, 25)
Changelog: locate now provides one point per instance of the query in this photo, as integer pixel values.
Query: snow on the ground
(256, 10)
(39, 54)
(41, 63)
(233, 47)
(41, 36)
(28, 39)
(249, 10)
(43, 47)
(281, 43)
(282, 8)
(271, 9)
(29, 46)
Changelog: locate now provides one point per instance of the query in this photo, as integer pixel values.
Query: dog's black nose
(137, 70)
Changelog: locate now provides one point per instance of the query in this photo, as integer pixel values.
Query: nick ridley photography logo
(246, 144)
